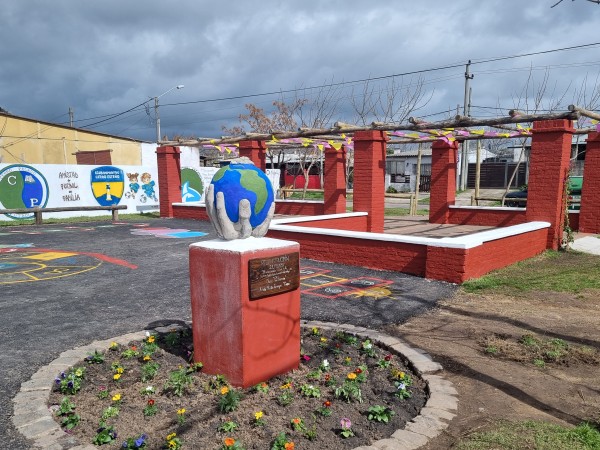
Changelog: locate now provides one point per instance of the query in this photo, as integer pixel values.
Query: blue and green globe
(244, 181)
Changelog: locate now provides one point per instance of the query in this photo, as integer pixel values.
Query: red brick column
(589, 213)
(443, 180)
(369, 176)
(256, 151)
(335, 181)
(548, 168)
(169, 179)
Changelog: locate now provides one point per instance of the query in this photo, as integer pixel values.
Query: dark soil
(201, 399)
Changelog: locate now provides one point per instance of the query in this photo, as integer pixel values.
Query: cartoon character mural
(134, 186)
(148, 188)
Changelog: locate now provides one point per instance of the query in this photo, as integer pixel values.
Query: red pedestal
(248, 341)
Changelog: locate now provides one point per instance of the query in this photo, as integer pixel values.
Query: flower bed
(347, 392)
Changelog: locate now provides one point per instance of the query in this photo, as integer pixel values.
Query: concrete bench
(37, 211)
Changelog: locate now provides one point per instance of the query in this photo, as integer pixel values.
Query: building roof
(412, 153)
(57, 125)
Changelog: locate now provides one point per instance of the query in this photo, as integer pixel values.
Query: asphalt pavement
(63, 286)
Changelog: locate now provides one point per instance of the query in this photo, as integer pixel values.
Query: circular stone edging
(33, 419)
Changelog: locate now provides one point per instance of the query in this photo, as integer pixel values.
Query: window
(94, 158)
(395, 169)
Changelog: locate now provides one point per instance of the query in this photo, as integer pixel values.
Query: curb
(33, 419)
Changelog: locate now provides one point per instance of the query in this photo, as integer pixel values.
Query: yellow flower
(323, 339)
(78, 372)
(150, 340)
(116, 376)
(258, 415)
(348, 359)
(351, 376)
(224, 390)
(286, 386)
(113, 345)
(116, 397)
(172, 444)
(120, 370)
(171, 436)
(181, 411)
(147, 358)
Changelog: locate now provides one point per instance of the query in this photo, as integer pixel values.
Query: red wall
(314, 181)
(574, 221)
(407, 258)
(454, 265)
(499, 218)
(190, 212)
(343, 223)
(298, 208)
(281, 207)
(459, 265)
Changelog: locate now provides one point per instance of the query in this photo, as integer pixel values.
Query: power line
(343, 83)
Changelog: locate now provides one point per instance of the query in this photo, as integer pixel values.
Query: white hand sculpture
(229, 230)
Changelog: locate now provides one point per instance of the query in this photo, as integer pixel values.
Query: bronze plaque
(270, 276)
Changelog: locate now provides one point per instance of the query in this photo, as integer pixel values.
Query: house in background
(31, 141)
(401, 170)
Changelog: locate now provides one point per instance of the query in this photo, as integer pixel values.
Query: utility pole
(465, 145)
(70, 117)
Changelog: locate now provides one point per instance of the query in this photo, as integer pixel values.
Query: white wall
(63, 185)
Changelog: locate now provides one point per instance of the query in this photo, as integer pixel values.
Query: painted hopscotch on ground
(316, 281)
(23, 264)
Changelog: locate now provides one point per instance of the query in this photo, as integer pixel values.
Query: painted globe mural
(239, 181)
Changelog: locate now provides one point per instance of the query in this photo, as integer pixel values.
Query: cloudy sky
(105, 59)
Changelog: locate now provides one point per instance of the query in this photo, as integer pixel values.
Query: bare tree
(395, 102)
(316, 113)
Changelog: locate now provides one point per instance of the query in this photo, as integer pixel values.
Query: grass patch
(404, 212)
(539, 351)
(534, 435)
(122, 217)
(550, 271)
(309, 196)
(424, 201)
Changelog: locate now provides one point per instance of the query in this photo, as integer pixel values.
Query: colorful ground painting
(22, 263)
(317, 281)
(164, 232)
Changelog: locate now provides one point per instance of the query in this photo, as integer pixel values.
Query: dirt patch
(492, 387)
(329, 361)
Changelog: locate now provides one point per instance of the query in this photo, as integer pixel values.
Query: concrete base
(248, 341)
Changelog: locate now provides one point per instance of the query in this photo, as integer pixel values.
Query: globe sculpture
(240, 200)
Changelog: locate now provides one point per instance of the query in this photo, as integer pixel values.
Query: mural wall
(59, 185)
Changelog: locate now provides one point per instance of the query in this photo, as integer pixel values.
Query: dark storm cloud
(105, 57)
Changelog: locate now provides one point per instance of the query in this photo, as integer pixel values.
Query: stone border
(33, 419)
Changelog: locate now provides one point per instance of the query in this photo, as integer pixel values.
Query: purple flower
(139, 442)
(70, 384)
(345, 423)
(57, 380)
(63, 375)
(125, 444)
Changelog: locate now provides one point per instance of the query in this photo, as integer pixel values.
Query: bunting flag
(450, 134)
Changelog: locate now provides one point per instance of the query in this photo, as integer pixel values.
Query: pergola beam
(415, 124)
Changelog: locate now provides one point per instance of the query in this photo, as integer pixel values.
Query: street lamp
(179, 86)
